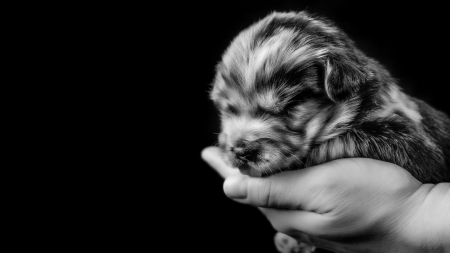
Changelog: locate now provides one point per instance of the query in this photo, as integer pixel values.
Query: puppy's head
(284, 84)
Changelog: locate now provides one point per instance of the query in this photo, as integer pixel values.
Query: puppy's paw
(287, 244)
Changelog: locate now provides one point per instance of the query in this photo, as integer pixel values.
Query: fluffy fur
(294, 91)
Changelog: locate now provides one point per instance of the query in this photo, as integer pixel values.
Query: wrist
(426, 225)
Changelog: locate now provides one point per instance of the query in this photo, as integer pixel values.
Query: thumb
(287, 190)
(286, 201)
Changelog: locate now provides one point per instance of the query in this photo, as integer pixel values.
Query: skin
(347, 205)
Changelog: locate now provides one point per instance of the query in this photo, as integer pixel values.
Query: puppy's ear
(343, 77)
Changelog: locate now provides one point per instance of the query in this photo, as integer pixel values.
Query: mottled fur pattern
(294, 91)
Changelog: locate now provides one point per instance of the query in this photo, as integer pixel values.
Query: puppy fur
(294, 91)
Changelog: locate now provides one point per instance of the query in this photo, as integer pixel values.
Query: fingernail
(235, 187)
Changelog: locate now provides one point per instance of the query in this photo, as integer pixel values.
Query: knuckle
(261, 189)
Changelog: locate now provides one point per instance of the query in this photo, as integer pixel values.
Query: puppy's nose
(246, 151)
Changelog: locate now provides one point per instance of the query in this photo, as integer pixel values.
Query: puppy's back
(436, 126)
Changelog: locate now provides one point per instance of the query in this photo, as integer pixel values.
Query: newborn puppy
(293, 91)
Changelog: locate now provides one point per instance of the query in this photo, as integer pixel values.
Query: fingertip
(213, 156)
(209, 153)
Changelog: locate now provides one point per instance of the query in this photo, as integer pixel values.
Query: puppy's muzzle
(246, 151)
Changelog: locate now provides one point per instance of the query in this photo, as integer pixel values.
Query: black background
(169, 197)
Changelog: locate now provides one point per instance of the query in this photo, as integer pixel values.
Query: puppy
(293, 91)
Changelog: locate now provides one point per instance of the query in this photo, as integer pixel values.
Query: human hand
(347, 205)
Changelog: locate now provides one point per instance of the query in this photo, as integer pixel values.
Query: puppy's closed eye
(231, 109)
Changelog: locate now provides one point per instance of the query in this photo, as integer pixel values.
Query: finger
(213, 156)
(287, 244)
